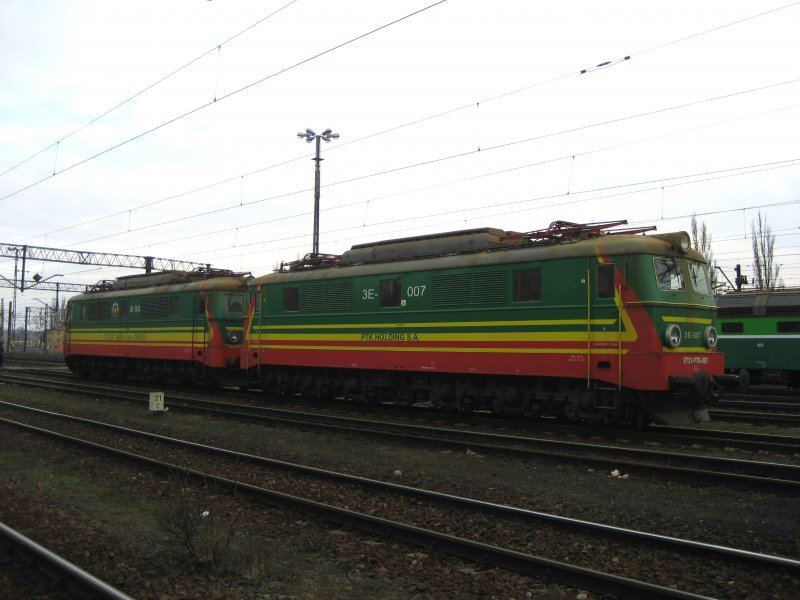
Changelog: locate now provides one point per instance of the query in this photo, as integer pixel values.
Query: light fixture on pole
(310, 136)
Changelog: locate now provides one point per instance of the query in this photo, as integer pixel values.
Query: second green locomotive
(760, 334)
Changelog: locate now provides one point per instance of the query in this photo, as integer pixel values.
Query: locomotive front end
(677, 360)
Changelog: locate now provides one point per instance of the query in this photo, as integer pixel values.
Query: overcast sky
(169, 129)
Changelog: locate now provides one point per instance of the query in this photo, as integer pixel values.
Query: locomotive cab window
(390, 292)
(527, 285)
(699, 276)
(291, 299)
(669, 274)
(233, 302)
(605, 280)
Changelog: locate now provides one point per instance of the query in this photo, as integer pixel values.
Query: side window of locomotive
(233, 302)
(174, 306)
(788, 326)
(84, 312)
(390, 292)
(605, 280)
(527, 285)
(291, 299)
(732, 327)
(125, 309)
(699, 276)
(669, 274)
(97, 311)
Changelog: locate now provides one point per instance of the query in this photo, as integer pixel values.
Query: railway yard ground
(157, 535)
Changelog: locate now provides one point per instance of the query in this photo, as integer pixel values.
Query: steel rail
(535, 566)
(758, 474)
(766, 405)
(753, 442)
(757, 441)
(55, 567)
(741, 416)
(492, 507)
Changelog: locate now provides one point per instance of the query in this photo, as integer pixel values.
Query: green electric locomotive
(175, 326)
(760, 335)
(576, 321)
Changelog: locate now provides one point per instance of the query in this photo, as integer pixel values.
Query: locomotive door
(605, 326)
(199, 330)
(253, 331)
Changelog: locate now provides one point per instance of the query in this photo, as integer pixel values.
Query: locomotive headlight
(234, 337)
(672, 335)
(684, 243)
(710, 337)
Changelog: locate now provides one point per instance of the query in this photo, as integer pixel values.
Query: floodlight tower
(310, 136)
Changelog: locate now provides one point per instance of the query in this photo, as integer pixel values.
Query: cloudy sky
(169, 129)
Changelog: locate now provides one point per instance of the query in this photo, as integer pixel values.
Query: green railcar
(759, 333)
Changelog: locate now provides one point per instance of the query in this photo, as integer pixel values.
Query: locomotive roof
(163, 285)
(486, 247)
(759, 302)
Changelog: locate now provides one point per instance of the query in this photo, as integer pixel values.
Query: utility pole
(12, 307)
(43, 316)
(25, 342)
(310, 136)
(9, 345)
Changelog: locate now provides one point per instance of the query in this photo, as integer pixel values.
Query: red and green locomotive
(577, 321)
(175, 326)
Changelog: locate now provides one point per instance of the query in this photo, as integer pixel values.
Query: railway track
(66, 574)
(642, 462)
(28, 359)
(465, 527)
(756, 418)
(688, 437)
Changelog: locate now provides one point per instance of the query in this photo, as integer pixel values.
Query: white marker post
(157, 403)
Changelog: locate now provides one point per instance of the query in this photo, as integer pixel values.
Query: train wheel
(744, 380)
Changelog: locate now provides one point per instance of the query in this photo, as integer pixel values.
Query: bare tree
(765, 270)
(701, 240)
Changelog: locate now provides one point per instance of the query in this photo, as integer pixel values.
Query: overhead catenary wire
(221, 98)
(383, 132)
(454, 156)
(707, 177)
(149, 87)
(240, 176)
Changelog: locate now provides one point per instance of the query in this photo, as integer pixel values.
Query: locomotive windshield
(699, 276)
(233, 302)
(669, 274)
